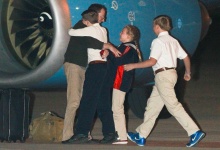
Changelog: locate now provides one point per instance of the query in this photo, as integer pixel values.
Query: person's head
(129, 33)
(101, 10)
(161, 23)
(89, 17)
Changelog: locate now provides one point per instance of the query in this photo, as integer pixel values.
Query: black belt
(163, 69)
(97, 62)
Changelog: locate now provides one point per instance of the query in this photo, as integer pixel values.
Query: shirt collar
(96, 24)
(163, 33)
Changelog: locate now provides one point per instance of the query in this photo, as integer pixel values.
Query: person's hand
(105, 54)
(187, 76)
(128, 67)
(116, 52)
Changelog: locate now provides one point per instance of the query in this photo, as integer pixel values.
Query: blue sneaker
(195, 138)
(134, 137)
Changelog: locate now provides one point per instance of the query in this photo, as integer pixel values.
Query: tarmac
(201, 100)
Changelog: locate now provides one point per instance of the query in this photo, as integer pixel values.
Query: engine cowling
(33, 41)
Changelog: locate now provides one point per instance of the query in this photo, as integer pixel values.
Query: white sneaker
(120, 142)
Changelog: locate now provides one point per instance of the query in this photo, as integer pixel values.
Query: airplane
(34, 37)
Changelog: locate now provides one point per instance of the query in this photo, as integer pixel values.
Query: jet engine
(33, 40)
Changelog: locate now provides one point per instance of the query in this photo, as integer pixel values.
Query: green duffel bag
(46, 128)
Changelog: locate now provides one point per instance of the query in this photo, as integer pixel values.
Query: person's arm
(147, 63)
(96, 44)
(187, 75)
(112, 49)
(104, 53)
(80, 32)
(91, 42)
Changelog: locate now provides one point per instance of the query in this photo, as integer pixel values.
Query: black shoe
(78, 139)
(66, 141)
(109, 138)
(93, 141)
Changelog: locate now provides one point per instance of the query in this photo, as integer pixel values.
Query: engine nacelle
(33, 40)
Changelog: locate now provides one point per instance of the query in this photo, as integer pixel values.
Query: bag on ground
(47, 128)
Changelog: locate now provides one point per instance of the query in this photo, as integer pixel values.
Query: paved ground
(202, 98)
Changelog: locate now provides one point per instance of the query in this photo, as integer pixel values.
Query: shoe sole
(130, 138)
(139, 144)
(119, 143)
(133, 141)
(201, 137)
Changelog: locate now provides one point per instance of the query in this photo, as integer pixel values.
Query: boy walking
(163, 58)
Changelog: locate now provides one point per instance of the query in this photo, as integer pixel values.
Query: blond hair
(134, 32)
(163, 21)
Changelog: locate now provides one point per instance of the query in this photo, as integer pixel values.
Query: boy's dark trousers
(96, 96)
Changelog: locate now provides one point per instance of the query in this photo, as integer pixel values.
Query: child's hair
(163, 21)
(90, 15)
(134, 32)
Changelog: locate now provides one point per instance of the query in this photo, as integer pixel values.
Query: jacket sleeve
(91, 42)
(127, 58)
(79, 25)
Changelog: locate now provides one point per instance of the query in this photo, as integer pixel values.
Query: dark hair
(97, 7)
(163, 21)
(90, 15)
